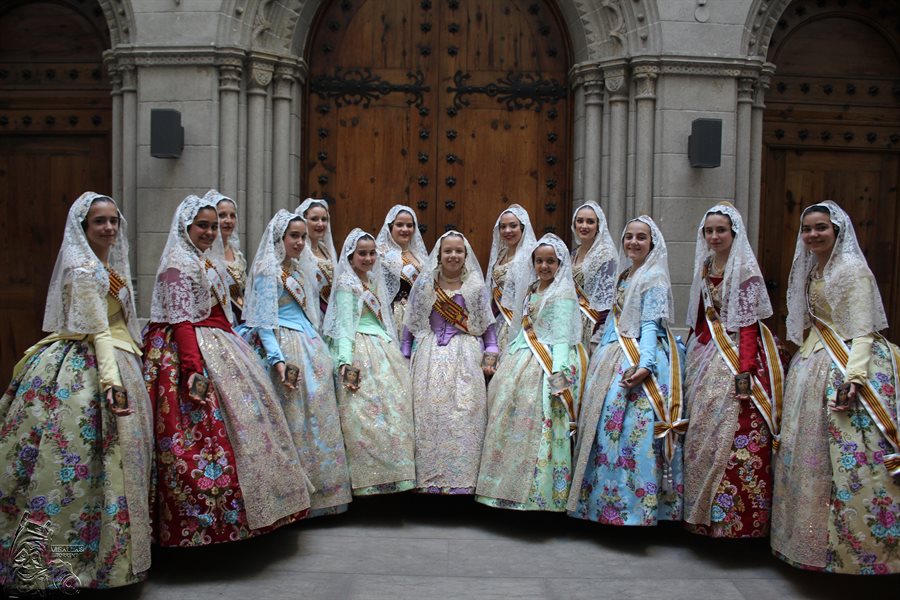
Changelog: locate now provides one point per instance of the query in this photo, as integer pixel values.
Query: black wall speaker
(705, 143)
(166, 133)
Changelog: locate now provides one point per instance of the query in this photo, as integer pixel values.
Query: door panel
(455, 108)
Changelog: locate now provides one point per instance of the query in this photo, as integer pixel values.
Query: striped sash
(118, 288)
(371, 300)
(324, 280)
(874, 404)
(669, 422)
(293, 287)
(408, 272)
(452, 312)
(497, 293)
(217, 284)
(234, 288)
(770, 411)
(585, 305)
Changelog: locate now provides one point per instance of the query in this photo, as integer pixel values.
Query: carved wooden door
(457, 108)
(55, 124)
(832, 131)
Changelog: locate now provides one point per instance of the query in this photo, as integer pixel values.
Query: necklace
(448, 280)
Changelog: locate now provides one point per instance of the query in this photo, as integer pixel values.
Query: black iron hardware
(516, 90)
(423, 157)
(450, 204)
(453, 27)
(449, 227)
(452, 158)
(551, 183)
(871, 137)
(848, 136)
(451, 134)
(423, 227)
(423, 181)
(451, 111)
(360, 86)
(825, 135)
(851, 89)
(322, 155)
(804, 87)
(425, 27)
(425, 50)
(779, 133)
(828, 88)
(323, 133)
(423, 111)
(323, 179)
(422, 204)
(452, 50)
(424, 133)
(551, 159)
(450, 181)
(803, 134)
(550, 207)
(552, 136)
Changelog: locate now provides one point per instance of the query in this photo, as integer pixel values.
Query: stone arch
(120, 21)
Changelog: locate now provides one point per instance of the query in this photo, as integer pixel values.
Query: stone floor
(409, 546)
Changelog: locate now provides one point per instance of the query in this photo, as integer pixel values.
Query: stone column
(281, 137)
(115, 78)
(645, 107)
(617, 89)
(754, 215)
(578, 141)
(257, 208)
(230, 73)
(297, 134)
(593, 133)
(128, 144)
(742, 144)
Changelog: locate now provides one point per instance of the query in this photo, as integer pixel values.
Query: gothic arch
(120, 21)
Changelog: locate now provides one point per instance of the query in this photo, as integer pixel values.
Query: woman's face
(204, 229)
(586, 224)
(717, 233)
(402, 228)
(546, 263)
(294, 239)
(363, 258)
(227, 218)
(317, 221)
(510, 229)
(636, 241)
(452, 255)
(101, 226)
(817, 232)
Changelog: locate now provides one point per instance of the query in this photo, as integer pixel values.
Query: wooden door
(832, 131)
(456, 108)
(55, 124)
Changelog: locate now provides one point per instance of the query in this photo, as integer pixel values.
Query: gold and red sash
(118, 288)
(293, 287)
(452, 312)
(585, 305)
(408, 272)
(234, 288)
(545, 358)
(218, 284)
(497, 294)
(669, 422)
(871, 400)
(769, 409)
(371, 300)
(324, 280)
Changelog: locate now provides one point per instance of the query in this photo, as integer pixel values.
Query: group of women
(258, 397)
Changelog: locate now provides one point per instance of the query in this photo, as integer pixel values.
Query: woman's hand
(280, 369)
(119, 412)
(841, 404)
(636, 378)
(194, 397)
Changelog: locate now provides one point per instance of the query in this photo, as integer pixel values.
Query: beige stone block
(169, 83)
(676, 177)
(176, 28)
(696, 92)
(197, 168)
(702, 39)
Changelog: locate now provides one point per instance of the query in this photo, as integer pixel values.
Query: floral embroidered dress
(227, 468)
(75, 478)
(836, 503)
(526, 463)
(623, 474)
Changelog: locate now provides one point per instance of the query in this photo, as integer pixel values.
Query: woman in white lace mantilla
(89, 471)
(837, 472)
(403, 255)
(321, 244)
(511, 231)
(235, 263)
(533, 398)
(449, 314)
(227, 465)
(281, 313)
(594, 262)
(373, 386)
(728, 446)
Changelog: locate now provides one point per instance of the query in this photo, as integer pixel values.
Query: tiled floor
(411, 546)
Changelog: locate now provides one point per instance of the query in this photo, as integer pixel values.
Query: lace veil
(498, 246)
(391, 259)
(337, 326)
(264, 285)
(473, 291)
(648, 296)
(599, 265)
(76, 298)
(856, 310)
(557, 321)
(745, 299)
(327, 243)
(183, 289)
(234, 241)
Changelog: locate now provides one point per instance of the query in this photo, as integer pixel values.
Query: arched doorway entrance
(832, 131)
(456, 108)
(55, 139)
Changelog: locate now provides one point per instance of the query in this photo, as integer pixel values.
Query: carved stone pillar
(645, 106)
(742, 143)
(593, 134)
(281, 136)
(756, 136)
(128, 144)
(258, 211)
(616, 83)
(230, 75)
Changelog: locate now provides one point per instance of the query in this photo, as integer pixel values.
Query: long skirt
(526, 463)
(727, 453)
(450, 407)
(377, 420)
(619, 465)
(312, 416)
(835, 507)
(226, 469)
(75, 479)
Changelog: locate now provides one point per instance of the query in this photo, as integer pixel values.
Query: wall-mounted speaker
(166, 133)
(705, 143)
